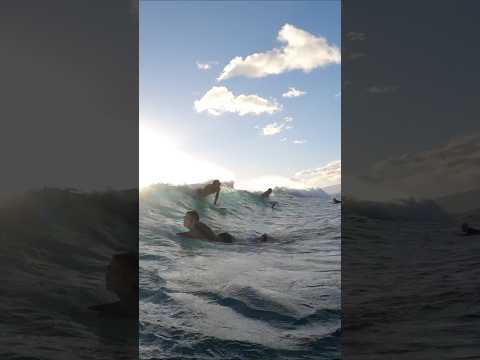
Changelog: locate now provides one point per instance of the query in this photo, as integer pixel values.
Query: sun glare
(264, 182)
(162, 162)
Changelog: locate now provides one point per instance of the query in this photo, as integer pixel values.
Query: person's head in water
(216, 183)
(191, 219)
(122, 275)
(269, 191)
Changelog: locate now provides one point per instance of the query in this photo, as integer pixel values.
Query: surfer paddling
(266, 195)
(213, 188)
(201, 231)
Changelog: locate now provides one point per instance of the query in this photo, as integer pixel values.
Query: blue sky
(174, 36)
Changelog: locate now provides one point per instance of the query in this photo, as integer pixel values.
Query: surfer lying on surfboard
(199, 230)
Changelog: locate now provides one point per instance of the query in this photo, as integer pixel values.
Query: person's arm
(216, 197)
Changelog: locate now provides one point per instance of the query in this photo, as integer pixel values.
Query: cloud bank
(301, 51)
(448, 169)
(327, 175)
(219, 100)
(321, 177)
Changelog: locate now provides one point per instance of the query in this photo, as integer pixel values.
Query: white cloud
(299, 141)
(327, 175)
(301, 51)
(206, 65)
(272, 129)
(292, 92)
(275, 128)
(203, 66)
(219, 100)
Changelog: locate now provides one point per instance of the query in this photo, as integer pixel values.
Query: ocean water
(409, 283)
(247, 300)
(55, 247)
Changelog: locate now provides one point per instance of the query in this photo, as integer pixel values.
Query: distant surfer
(267, 194)
(121, 278)
(199, 230)
(468, 231)
(335, 201)
(213, 188)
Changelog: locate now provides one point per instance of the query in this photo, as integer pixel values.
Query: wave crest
(403, 209)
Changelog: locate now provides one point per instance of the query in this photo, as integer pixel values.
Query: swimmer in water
(335, 201)
(121, 278)
(468, 231)
(201, 231)
(213, 188)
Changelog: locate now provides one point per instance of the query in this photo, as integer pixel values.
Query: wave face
(247, 300)
(55, 246)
